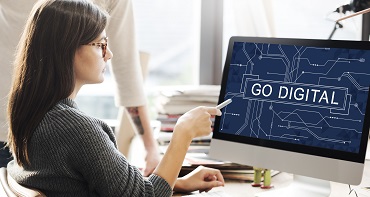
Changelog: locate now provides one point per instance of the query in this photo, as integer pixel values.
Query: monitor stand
(301, 186)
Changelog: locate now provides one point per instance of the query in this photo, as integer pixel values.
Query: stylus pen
(354, 14)
(223, 104)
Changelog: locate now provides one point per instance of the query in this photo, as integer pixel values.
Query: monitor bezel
(316, 151)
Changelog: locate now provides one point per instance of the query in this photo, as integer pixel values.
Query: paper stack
(174, 101)
(180, 99)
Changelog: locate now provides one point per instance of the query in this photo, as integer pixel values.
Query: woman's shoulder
(65, 114)
(66, 121)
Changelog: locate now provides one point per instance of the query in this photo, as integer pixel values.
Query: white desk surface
(244, 189)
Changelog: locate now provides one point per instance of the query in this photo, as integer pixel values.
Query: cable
(336, 26)
(352, 190)
(353, 6)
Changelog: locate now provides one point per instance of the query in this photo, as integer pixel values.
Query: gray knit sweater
(72, 154)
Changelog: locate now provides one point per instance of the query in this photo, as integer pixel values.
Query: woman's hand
(196, 122)
(202, 179)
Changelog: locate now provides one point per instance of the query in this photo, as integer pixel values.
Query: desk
(244, 189)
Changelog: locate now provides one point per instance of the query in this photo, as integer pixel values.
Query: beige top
(120, 30)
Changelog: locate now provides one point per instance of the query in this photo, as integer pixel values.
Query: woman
(62, 151)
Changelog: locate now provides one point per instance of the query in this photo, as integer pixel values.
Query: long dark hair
(43, 73)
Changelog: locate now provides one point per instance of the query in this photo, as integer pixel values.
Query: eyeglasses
(101, 45)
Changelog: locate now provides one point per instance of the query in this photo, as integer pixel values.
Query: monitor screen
(295, 99)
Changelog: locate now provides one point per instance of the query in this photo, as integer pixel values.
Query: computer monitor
(299, 106)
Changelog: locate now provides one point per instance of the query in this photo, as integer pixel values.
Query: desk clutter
(231, 171)
(174, 101)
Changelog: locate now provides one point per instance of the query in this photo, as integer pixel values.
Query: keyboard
(211, 194)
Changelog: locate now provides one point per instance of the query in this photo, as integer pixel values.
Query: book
(164, 138)
(229, 170)
(168, 121)
(240, 172)
(244, 175)
(180, 99)
(180, 107)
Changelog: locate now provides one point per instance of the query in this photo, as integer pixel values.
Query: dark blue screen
(297, 94)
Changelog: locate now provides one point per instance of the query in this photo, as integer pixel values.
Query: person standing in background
(127, 74)
(13, 15)
(125, 68)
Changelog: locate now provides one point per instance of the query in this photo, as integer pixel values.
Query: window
(169, 31)
(97, 100)
(177, 34)
(287, 18)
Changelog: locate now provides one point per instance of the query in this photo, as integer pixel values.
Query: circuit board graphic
(297, 94)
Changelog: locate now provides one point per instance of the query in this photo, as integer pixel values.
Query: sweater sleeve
(106, 170)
